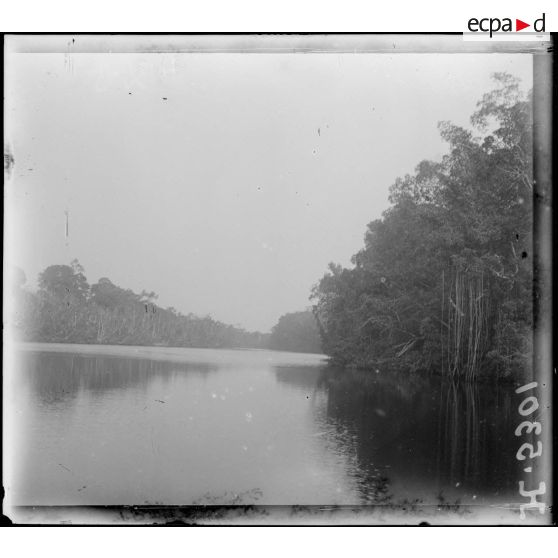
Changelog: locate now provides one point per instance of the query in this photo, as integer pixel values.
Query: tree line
(67, 309)
(296, 332)
(444, 280)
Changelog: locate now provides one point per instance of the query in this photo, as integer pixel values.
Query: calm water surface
(99, 425)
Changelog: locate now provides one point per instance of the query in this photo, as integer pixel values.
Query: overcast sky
(223, 182)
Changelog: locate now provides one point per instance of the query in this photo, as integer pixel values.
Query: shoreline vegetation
(67, 309)
(444, 281)
(442, 285)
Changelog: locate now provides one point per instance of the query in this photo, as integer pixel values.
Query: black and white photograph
(277, 279)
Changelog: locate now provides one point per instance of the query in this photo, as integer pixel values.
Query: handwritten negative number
(529, 447)
(528, 427)
(528, 406)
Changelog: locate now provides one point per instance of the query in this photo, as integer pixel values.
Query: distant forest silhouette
(67, 309)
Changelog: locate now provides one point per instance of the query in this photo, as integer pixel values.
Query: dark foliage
(444, 280)
(297, 332)
(67, 310)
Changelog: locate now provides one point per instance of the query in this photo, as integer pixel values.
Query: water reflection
(414, 437)
(222, 427)
(58, 378)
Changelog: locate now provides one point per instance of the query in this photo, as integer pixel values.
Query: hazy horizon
(225, 183)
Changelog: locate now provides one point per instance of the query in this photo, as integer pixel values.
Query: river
(112, 425)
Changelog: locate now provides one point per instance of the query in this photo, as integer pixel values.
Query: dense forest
(444, 280)
(296, 332)
(66, 309)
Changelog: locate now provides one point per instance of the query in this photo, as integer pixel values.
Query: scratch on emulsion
(67, 226)
(68, 60)
(9, 162)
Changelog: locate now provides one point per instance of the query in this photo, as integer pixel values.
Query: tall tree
(66, 282)
(444, 279)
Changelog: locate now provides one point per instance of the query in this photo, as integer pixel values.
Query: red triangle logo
(519, 25)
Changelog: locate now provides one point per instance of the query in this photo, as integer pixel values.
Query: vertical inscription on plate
(527, 452)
